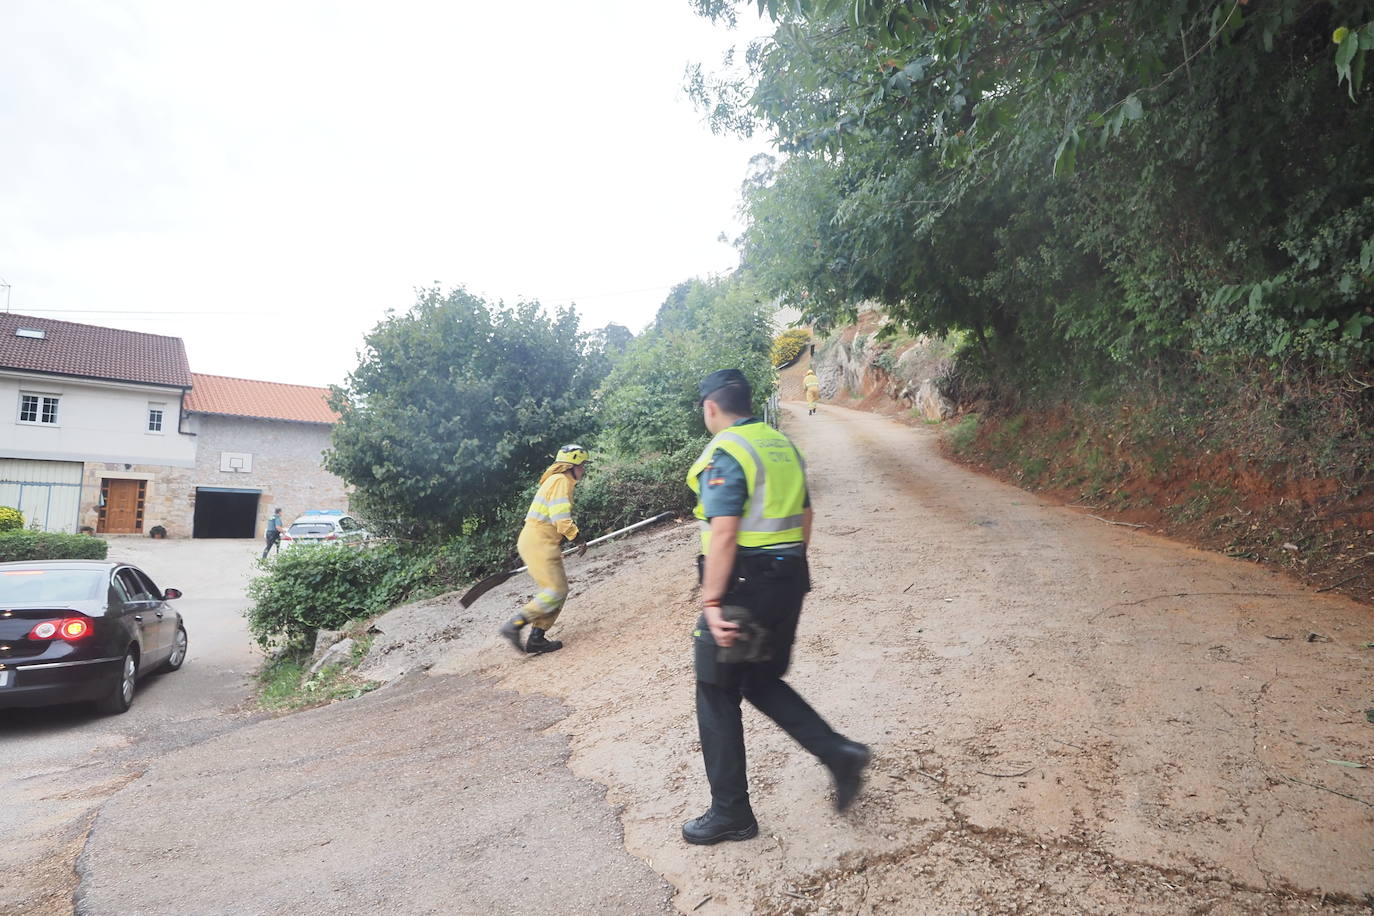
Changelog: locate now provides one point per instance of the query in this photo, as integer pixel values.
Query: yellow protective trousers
(540, 546)
(813, 394)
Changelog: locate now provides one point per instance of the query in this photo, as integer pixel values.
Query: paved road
(435, 796)
(58, 764)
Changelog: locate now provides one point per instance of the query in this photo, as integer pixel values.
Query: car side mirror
(171, 593)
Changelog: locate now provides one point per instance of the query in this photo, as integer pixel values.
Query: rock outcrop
(855, 363)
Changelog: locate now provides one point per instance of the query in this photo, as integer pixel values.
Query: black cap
(719, 379)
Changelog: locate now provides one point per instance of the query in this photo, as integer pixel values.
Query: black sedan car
(83, 630)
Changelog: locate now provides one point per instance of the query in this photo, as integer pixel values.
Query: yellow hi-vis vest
(775, 476)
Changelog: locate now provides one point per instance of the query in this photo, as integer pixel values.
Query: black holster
(764, 597)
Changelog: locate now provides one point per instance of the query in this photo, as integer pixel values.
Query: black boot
(537, 643)
(712, 827)
(847, 766)
(511, 630)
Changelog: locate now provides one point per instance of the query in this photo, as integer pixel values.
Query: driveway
(60, 763)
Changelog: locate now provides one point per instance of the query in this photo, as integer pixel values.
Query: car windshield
(43, 586)
(310, 528)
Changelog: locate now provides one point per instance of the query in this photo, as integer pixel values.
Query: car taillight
(331, 537)
(71, 629)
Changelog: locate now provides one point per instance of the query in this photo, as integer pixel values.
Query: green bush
(50, 545)
(311, 588)
(11, 519)
(619, 491)
(788, 346)
(649, 402)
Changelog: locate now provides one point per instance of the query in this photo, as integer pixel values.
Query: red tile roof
(241, 397)
(89, 351)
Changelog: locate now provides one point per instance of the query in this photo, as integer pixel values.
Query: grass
(1033, 468)
(285, 685)
(964, 432)
(1204, 502)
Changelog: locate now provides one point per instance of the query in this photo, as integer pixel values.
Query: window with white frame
(155, 414)
(39, 409)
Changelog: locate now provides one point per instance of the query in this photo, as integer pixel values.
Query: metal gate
(47, 492)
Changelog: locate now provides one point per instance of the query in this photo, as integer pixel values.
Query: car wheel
(121, 696)
(178, 655)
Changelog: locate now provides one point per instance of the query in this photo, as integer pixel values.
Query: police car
(324, 526)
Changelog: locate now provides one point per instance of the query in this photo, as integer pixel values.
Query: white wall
(96, 421)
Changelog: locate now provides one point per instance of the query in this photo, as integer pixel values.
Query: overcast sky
(266, 179)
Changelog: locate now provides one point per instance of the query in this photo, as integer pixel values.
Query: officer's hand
(579, 547)
(723, 631)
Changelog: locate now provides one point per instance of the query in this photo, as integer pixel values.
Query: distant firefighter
(813, 390)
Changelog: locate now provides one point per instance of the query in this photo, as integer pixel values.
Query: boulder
(341, 651)
(931, 403)
(323, 640)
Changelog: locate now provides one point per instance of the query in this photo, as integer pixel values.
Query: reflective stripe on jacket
(776, 477)
(552, 505)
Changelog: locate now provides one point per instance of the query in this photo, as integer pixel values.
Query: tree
(455, 405)
(650, 401)
(1123, 179)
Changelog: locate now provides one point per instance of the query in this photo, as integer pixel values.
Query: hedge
(50, 545)
(789, 345)
(308, 588)
(11, 519)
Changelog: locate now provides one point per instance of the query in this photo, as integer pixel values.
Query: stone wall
(281, 459)
(169, 498)
(285, 463)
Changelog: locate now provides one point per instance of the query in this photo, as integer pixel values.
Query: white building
(91, 422)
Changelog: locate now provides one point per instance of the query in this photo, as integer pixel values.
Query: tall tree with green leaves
(456, 404)
(1127, 180)
(650, 399)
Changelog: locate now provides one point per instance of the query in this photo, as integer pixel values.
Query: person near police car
(548, 522)
(275, 526)
(756, 516)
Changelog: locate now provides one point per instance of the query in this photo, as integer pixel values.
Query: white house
(91, 424)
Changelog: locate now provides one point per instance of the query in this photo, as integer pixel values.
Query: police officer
(756, 521)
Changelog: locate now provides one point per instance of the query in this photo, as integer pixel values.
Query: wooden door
(121, 510)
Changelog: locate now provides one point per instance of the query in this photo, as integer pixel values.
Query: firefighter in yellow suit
(547, 524)
(813, 390)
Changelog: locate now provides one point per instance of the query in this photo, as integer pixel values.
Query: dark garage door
(222, 512)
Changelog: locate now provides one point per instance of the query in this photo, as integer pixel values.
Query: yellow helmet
(572, 454)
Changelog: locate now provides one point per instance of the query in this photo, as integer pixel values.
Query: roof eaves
(253, 416)
(96, 378)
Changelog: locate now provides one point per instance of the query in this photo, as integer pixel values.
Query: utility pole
(4, 284)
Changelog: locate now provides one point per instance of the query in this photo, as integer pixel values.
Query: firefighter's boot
(537, 643)
(511, 630)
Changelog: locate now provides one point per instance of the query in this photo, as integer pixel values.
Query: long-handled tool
(490, 582)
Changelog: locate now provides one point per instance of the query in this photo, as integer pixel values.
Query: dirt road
(1066, 716)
